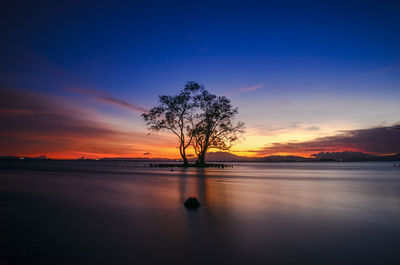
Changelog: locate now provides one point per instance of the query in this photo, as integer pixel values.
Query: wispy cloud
(250, 88)
(312, 128)
(277, 129)
(245, 90)
(105, 97)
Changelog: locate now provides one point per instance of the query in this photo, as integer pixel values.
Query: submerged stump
(192, 203)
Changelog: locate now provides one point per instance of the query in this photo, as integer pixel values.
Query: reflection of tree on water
(182, 185)
(194, 184)
(202, 185)
(199, 183)
(208, 189)
(208, 228)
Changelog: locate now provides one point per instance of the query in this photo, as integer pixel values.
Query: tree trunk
(201, 159)
(185, 161)
(183, 155)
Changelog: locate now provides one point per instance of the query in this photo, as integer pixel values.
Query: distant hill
(138, 159)
(42, 157)
(395, 157)
(353, 156)
(346, 156)
(229, 157)
(287, 159)
(8, 157)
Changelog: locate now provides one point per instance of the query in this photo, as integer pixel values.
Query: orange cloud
(39, 124)
(378, 140)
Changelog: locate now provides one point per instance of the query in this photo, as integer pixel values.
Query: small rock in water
(192, 203)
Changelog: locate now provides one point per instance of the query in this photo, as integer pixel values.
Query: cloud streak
(106, 98)
(244, 90)
(250, 88)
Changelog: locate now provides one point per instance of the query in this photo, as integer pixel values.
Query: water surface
(93, 212)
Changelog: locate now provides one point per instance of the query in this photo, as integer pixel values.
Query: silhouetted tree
(215, 125)
(197, 118)
(175, 113)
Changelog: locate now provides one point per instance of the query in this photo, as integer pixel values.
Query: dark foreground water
(277, 213)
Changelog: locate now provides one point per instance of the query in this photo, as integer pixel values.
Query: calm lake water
(63, 212)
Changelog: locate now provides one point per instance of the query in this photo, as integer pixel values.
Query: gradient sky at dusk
(306, 76)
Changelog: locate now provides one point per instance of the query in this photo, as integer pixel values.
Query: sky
(307, 76)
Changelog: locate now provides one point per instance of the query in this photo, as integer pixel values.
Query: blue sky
(285, 64)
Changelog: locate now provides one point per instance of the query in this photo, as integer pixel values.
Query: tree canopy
(198, 119)
(216, 127)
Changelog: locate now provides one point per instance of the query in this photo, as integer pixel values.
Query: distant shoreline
(226, 157)
(165, 163)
